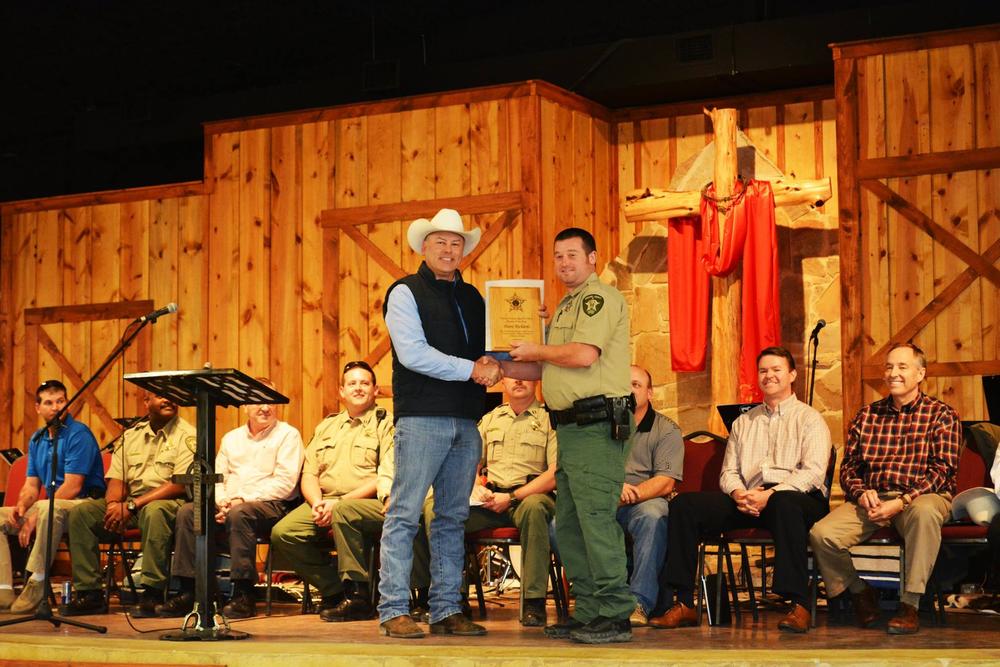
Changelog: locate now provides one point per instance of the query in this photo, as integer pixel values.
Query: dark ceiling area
(111, 94)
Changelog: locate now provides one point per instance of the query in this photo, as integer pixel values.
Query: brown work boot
(678, 616)
(797, 620)
(7, 596)
(866, 608)
(457, 624)
(401, 627)
(906, 622)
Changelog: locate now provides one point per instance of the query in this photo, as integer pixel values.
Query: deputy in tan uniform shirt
(341, 463)
(519, 454)
(587, 357)
(139, 493)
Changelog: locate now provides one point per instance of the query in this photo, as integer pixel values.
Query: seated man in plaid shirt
(899, 468)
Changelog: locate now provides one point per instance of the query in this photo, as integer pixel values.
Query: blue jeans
(430, 451)
(647, 524)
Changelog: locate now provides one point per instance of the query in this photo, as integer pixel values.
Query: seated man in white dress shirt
(260, 463)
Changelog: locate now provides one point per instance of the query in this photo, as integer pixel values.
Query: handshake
(486, 371)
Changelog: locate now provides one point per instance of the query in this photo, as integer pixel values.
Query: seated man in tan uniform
(341, 463)
(139, 493)
(356, 525)
(519, 460)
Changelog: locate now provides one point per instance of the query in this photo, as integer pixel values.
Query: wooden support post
(726, 290)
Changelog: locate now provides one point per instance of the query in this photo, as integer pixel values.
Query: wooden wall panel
(317, 196)
(105, 242)
(285, 264)
(384, 187)
(133, 282)
(224, 260)
(987, 58)
(958, 328)
(937, 105)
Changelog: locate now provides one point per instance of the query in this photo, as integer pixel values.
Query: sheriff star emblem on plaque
(516, 302)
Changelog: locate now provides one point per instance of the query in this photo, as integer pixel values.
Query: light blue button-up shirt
(407, 333)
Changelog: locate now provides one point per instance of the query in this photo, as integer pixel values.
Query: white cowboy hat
(445, 220)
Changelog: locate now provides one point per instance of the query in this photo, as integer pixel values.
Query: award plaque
(512, 313)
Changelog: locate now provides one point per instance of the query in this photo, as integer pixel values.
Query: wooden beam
(88, 312)
(185, 189)
(935, 306)
(77, 380)
(936, 231)
(849, 237)
(771, 98)
(726, 331)
(493, 230)
(873, 372)
(942, 162)
(374, 251)
(411, 210)
(919, 42)
(659, 204)
(396, 105)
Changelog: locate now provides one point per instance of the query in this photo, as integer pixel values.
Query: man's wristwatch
(514, 501)
(130, 505)
(906, 500)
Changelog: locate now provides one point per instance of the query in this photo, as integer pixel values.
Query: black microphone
(815, 332)
(157, 314)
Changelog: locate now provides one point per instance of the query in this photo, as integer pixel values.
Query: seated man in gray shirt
(655, 464)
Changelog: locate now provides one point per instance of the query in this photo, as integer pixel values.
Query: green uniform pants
(356, 525)
(531, 517)
(589, 477)
(306, 547)
(86, 532)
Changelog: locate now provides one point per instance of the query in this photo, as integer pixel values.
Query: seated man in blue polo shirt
(80, 474)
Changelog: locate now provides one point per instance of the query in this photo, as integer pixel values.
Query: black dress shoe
(148, 602)
(354, 608)
(534, 613)
(177, 606)
(603, 631)
(562, 629)
(242, 605)
(84, 603)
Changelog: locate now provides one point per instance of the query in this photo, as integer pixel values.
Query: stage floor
(968, 638)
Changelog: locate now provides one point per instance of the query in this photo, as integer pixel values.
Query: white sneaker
(638, 618)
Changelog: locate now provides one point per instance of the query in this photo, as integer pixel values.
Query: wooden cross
(656, 204)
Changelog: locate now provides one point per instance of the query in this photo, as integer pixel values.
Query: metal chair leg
(748, 578)
(733, 594)
(270, 579)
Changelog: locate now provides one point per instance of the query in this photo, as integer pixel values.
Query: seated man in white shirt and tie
(260, 463)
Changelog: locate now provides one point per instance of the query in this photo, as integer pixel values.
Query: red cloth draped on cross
(695, 252)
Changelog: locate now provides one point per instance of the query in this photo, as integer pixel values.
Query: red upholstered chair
(15, 480)
(703, 455)
(505, 538)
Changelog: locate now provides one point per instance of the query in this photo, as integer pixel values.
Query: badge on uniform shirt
(191, 443)
(592, 304)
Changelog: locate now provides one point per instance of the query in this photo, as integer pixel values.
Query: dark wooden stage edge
(304, 641)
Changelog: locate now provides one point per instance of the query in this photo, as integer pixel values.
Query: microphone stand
(814, 341)
(44, 611)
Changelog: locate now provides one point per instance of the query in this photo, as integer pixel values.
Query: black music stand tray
(205, 389)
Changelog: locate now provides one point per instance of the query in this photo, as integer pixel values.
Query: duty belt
(590, 410)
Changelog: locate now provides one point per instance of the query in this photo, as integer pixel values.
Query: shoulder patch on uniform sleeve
(592, 304)
(191, 443)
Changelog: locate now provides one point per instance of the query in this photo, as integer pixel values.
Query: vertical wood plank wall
(244, 259)
(915, 97)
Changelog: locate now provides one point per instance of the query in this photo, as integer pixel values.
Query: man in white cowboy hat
(437, 325)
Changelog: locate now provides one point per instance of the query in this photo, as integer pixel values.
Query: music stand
(205, 389)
